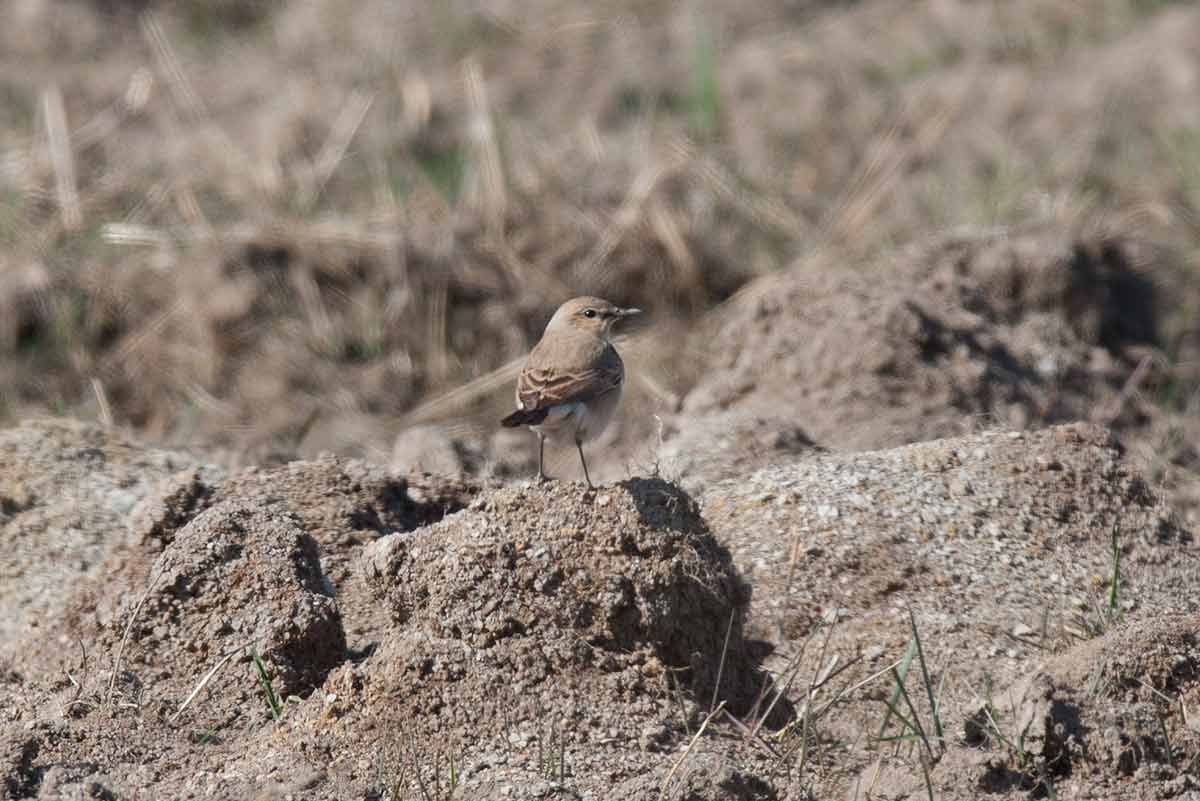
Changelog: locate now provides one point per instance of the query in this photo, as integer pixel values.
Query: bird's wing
(539, 387)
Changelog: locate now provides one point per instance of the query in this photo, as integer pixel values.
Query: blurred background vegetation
(270, 228)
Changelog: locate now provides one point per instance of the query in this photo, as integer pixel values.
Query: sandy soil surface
(900, 500)
(542, 641)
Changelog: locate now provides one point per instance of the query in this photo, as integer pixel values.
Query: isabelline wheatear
(571, 384)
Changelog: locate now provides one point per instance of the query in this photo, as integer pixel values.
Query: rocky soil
(552, 641)
(901, 500)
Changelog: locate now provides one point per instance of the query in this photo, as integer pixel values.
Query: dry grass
(302, 227)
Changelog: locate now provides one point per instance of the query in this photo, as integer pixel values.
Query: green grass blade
(1114, 591)
(265, 681)
(937, 721)
(902, 671)
(928, 781)
(916, 719)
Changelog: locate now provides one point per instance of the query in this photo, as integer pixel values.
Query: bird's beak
(628, 312)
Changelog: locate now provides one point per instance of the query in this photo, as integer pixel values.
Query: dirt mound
(239, 577)
(260, 559)
(629, 573)
(1112, 709)
(1002, 546)
(600, 615)
(543, 634)
(1024, 331)
(1021, 330)
(66, 490)
(199, 563)
(343, 504)
(862, 530)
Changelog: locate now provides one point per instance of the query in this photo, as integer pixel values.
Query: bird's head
(593, 315)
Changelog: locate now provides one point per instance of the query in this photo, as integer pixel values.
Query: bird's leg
(583, 462)
(541, 456)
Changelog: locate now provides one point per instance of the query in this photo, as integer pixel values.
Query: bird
(571, 383)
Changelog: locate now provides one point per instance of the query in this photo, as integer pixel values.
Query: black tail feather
(524, 417)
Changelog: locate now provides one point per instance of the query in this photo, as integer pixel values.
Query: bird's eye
(589, 313)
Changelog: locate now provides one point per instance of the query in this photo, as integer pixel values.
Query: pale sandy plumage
(571, 384)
